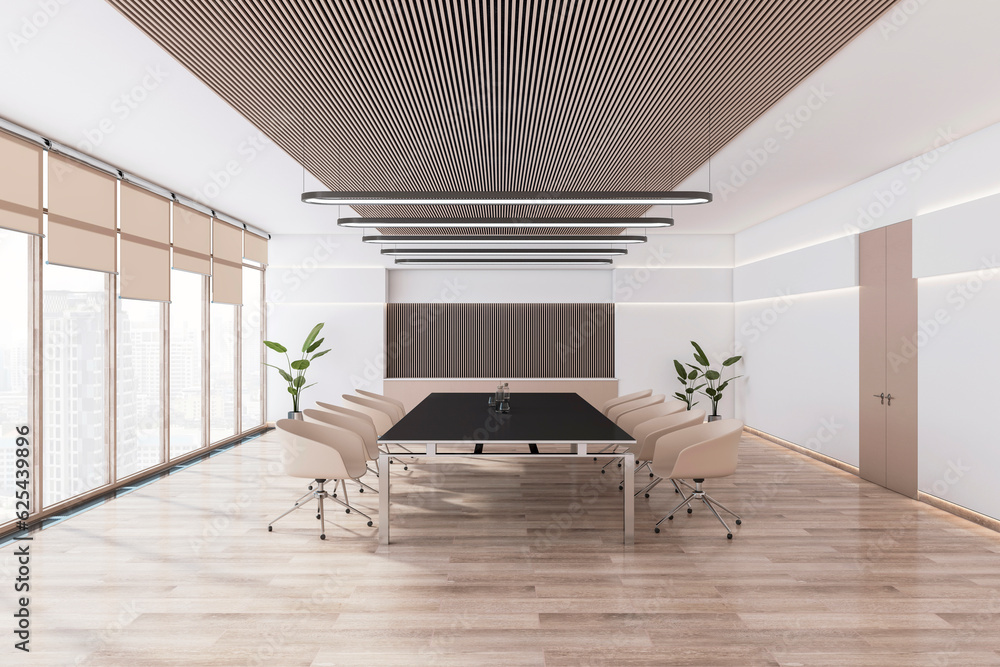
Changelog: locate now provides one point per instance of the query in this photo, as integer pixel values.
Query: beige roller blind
(192, 240)
(227, 263)
(20, 185)
(83, 204)
(145, 251)
(254, 247)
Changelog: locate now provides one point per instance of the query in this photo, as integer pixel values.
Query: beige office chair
(630, 420)
(401, 409)
(359, 424)
(321, 453)
(617, 400)
(367, 417)
(647, 433)
(377, 411)
(698, 453)
(616, 413)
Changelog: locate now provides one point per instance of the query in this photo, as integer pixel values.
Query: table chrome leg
(383, 498)
(629, 497)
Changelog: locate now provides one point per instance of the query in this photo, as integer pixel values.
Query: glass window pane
(139, 360)
(15, 352)
(74, 402)
(222, 372)
(185, 362)
(251, 346)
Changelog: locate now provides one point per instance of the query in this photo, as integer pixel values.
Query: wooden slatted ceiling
(493, 95)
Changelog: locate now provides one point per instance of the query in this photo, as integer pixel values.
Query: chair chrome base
(320, 494)
(698, 494)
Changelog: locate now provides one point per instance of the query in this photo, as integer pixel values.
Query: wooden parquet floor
(510, 562)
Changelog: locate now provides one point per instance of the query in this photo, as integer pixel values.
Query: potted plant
(688, 379)
(714, 384)
(295, 376)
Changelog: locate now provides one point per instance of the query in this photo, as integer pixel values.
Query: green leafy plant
(688, 379)
(295, 376)
(714, 384)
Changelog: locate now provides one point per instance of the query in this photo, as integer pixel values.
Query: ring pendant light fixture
(542, 239)
(466, 223)
(642, 198)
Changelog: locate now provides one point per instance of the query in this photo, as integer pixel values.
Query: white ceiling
(891, 93)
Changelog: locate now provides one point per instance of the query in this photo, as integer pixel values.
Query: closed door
(888, 347)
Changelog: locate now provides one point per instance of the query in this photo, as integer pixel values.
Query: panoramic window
(222, 372)
(251, 345)
(139, 364)
(15, 375)
(75, 340)
(186, 362)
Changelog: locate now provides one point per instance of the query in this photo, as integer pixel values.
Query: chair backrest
(630, 420)
(318, 451)
(360, 425)
(382, 397)
(383, 422)
(699, 452)
(617, 400)
(615, 413)
(647, 433)
(333, 407)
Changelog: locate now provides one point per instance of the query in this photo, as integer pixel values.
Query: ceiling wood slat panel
(526, 95)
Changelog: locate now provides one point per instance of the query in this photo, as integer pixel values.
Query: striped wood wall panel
(500, 340)
(502, 95)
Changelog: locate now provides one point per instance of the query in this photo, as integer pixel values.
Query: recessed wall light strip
(507, 261)
(508, 198)
(393, 223)
(505, 240)
(504, 252)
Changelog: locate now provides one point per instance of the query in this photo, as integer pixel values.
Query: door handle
(888, 399)
(881, 397)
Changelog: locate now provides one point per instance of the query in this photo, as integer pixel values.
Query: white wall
(674, 289)
(331, 278)
(803, 349)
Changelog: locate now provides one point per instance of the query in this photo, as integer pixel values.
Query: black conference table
(466, 423)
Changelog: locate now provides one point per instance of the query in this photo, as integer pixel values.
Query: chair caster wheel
(347, 511)
(333, 495)
(729, 536)
(670, 518)
(656, 530)
(270, 529)
(690, 511)
(676, 491)
(647, 495)
(369, 524)
(317, 517)
(595, 458)
(651, 475)
(322, 537)
(361, 490)
(739, 522)
(621, 488)
(603, 471)
(619, 465)
(310, 487)
(406, 468)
